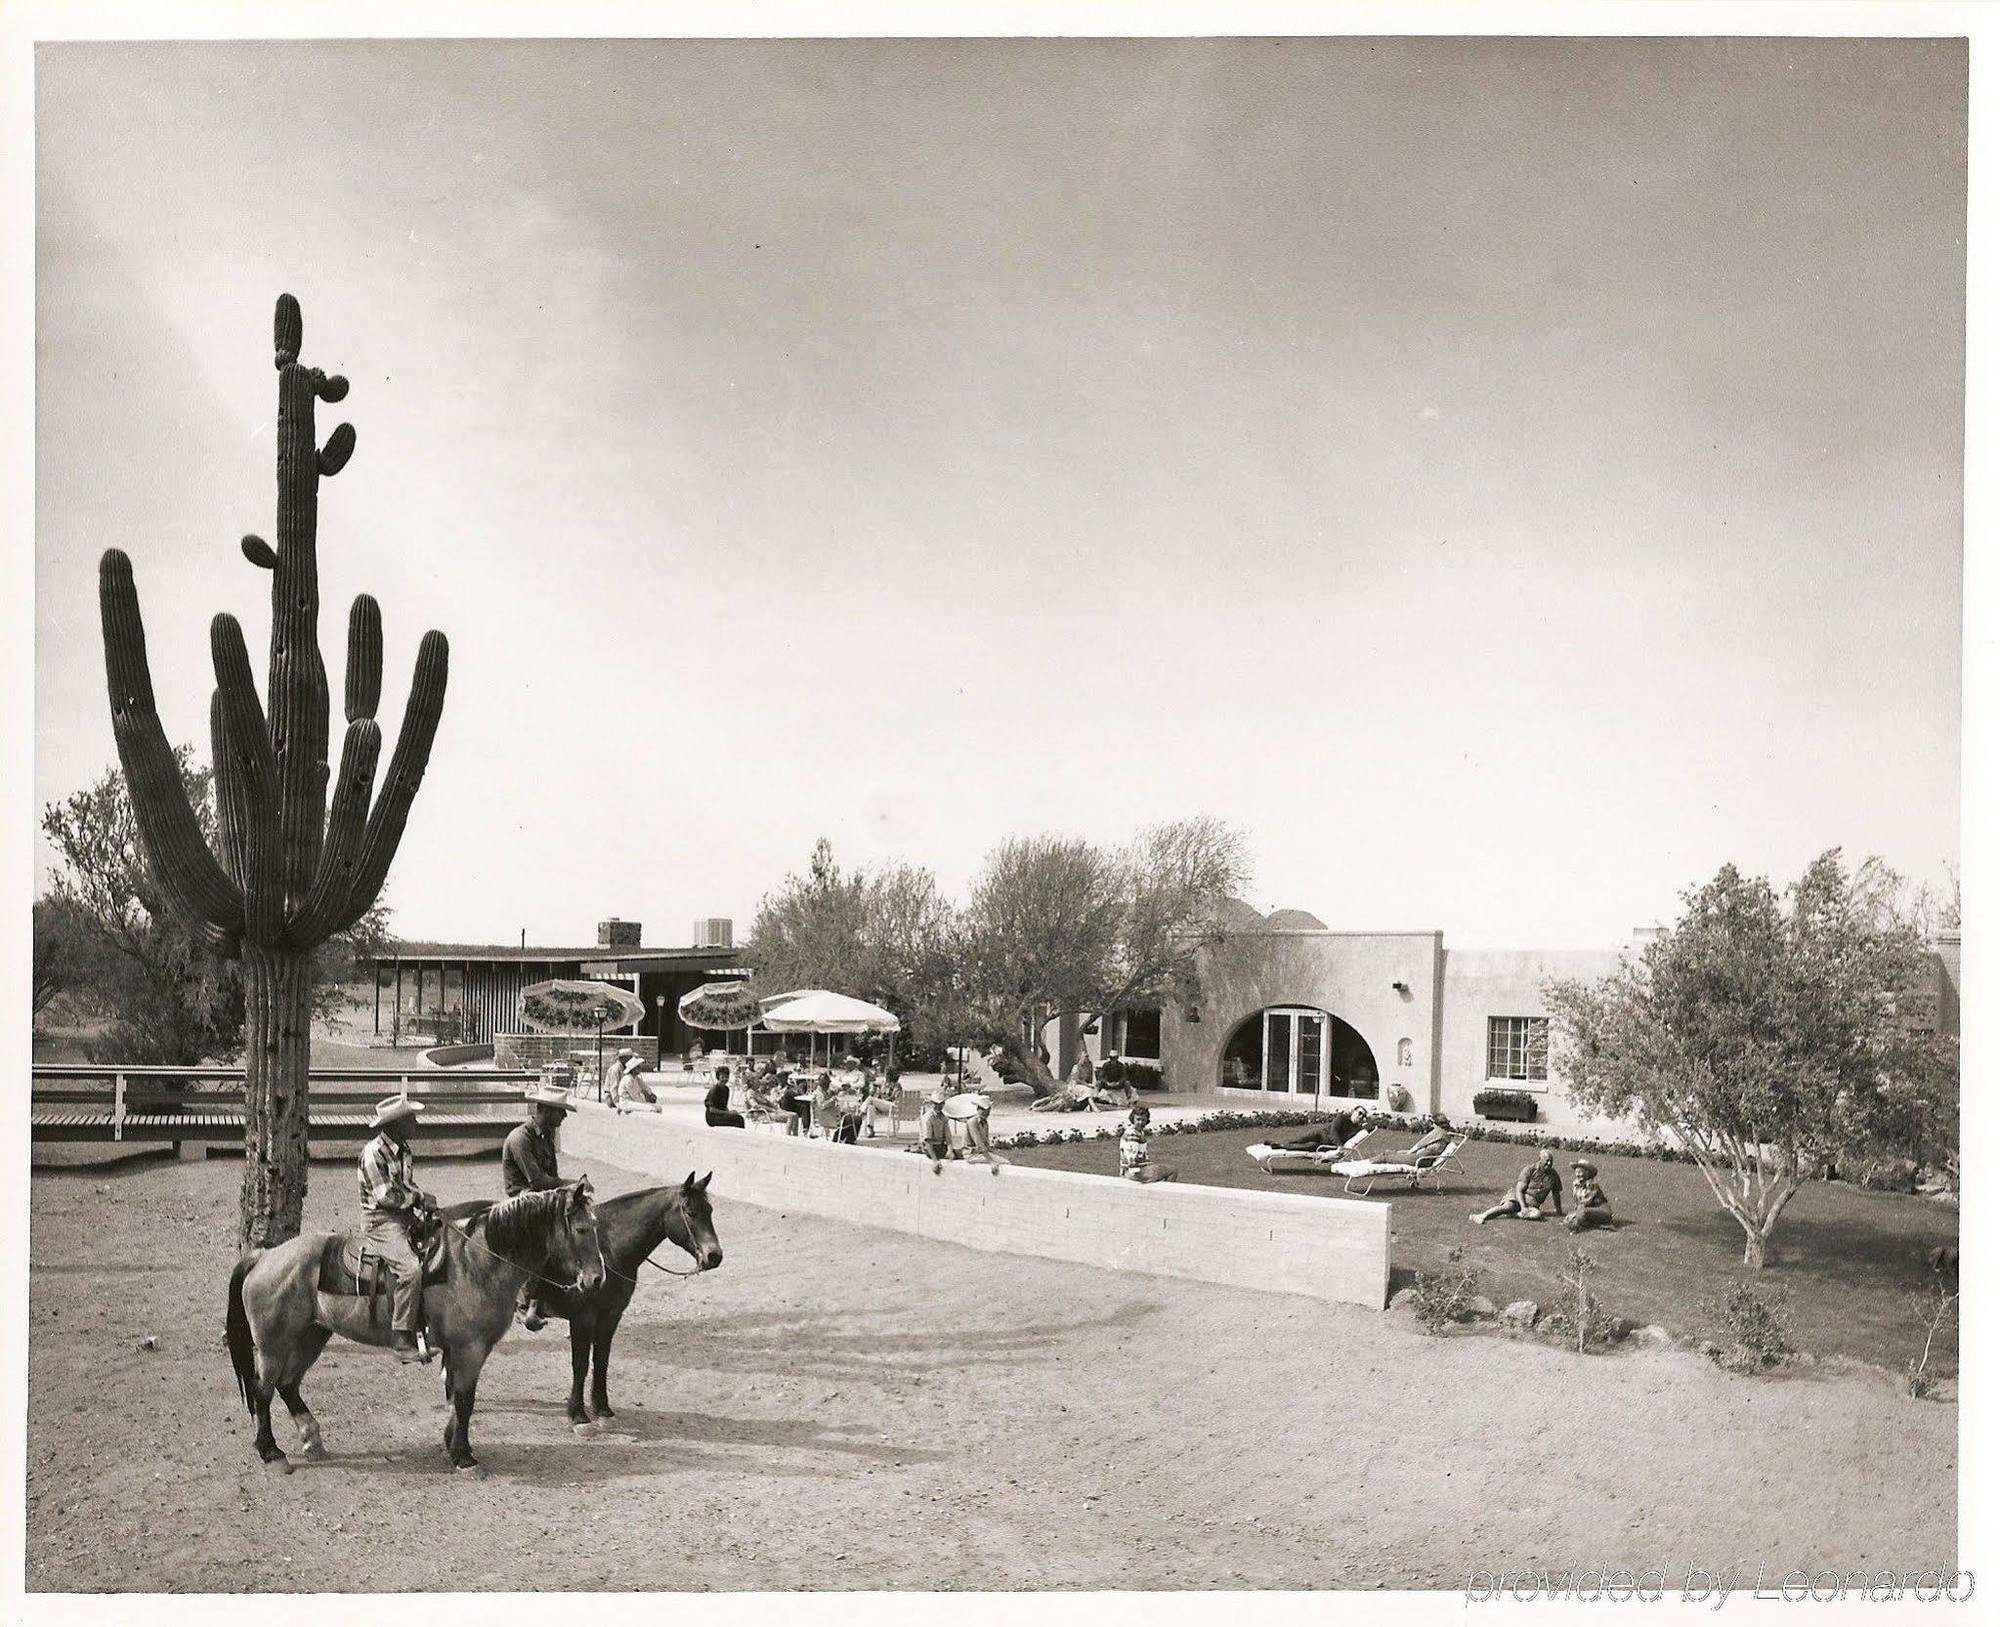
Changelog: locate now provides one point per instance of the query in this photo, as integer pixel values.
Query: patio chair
(1363, 1176)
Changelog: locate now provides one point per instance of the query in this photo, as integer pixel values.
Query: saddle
(350, 1269)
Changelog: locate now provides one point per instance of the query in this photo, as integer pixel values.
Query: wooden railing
(106, 1102)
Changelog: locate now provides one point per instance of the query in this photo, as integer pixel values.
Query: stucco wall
(1350, 974)
(1483, 983)
(1324, 1248)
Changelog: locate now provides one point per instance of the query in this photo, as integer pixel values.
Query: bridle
(665, 1270)
(575, 1284)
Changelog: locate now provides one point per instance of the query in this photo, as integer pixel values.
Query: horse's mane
(518, 1222)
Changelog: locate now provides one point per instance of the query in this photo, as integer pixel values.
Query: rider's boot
(404, 1344)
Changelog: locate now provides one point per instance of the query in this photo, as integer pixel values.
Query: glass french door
(1295, 1051)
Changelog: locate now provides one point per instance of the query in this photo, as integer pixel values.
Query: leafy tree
(63, 951)
(1768, 1036)
(885, 936)
(1058, 925)
(171, 1000)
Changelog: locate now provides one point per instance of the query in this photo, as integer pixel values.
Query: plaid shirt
(388, 1177)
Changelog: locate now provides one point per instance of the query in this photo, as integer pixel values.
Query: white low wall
(1326, 1248)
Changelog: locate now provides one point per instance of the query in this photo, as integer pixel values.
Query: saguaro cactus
(290, 874)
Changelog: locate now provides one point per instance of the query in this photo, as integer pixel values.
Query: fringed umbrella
(571, 1005)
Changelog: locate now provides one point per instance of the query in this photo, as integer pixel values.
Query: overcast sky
(1506, 479)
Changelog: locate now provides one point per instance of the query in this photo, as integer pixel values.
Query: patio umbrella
(571, 1005)
(820, 1011)
(718, 1005)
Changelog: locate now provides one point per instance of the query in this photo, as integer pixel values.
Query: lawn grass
(1850, 1258)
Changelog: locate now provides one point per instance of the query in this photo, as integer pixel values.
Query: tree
(62, 951)
(1767, 1036)
(170, 998)
(883, 936)
(1057, 925)
(286, 868)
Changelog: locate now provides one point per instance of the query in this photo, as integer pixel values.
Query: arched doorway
(1299, 1051)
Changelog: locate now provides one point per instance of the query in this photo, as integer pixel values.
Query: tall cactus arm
(253, 776)
(346, 831)
(230, 793)
(406, 773)
(364, 657)
(297, 689)
(193, 884)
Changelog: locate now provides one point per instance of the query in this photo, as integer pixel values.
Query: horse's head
(691, 1225)
(577, 1251)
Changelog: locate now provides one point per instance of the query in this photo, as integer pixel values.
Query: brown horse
(630, 1228)
(278, 1322)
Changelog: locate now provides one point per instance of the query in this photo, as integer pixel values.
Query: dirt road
(841, 1407)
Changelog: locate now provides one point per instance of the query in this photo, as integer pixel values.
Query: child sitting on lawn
(1537, 1186)
(1593, 1208)
(1135, 1158)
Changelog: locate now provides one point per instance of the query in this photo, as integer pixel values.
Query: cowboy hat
(391, 1108)
(624, 1051)
(1584, 1166)
(549, 1096)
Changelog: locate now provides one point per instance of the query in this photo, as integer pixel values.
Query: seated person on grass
(1593, 1208)
(1135, 1157)
(1537, 1186)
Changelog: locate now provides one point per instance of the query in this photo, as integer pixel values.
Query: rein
(571, 1286)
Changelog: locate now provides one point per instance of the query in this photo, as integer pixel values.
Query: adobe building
(1292, 1013)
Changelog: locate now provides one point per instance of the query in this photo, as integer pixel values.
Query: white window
(1517, 1048)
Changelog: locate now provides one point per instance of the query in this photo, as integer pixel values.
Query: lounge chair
(1299, 1161)
(1362, 1174)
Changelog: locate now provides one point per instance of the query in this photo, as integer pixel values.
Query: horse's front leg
(580, 1328)
(600, 1350)
(462, 1378)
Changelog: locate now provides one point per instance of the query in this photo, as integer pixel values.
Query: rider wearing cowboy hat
(394, 1203)
(528, 1164)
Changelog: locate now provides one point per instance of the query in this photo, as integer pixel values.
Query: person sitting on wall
(933, 1134)
(1336, 1132)
(1593, 1208)
(1537, 1186)
(1135, 1157)
(715, 1105)
(628, 1092)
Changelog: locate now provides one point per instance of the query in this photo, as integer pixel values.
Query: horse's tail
(242, 1346)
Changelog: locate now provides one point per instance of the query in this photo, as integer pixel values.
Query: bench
(195, 1108)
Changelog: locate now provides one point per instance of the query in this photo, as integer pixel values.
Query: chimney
(617, 934)
(715, 932)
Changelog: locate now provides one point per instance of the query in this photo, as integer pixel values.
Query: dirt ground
(847, 1408)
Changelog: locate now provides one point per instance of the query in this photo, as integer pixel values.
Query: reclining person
(1342, 1128)
(1593, 1208)
(1536, 1187)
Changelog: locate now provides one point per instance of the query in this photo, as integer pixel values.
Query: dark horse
(279, 1322)
(630, 1227)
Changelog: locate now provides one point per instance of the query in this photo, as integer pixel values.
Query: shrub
(1144, 1075)
(1758, 1323)
(1583, 1318)
(1445, 1296)
(1936, 1312)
